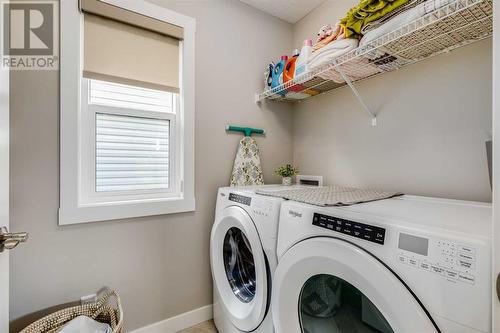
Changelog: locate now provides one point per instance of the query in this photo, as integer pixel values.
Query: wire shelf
(457, 24)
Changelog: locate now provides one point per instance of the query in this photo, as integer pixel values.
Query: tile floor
(206, 327)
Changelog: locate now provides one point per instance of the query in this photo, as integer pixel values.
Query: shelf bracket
(257, 98)
(358, 96)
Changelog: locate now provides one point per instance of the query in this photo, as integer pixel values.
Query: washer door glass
(329, 304)
(239, 265)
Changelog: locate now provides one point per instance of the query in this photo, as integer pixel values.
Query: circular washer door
(239, 268)
(329, 285)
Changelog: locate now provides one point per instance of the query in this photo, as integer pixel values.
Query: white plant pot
(287, 181)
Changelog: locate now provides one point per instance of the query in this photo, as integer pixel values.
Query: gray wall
(160, 265)
(434, 118)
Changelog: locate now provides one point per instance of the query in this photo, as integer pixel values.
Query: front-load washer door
(325, 285)
(239, 268)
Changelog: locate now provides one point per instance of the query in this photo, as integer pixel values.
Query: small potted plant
(286, 171)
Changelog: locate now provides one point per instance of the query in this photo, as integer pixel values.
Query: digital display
(415, 244)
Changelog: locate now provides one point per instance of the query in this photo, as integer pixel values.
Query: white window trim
(72, 210)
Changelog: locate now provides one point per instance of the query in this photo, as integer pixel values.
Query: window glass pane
(130, 97)
(239, 265)
(329, 304)
(132, 153)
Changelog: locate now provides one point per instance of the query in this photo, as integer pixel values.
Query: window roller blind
(125, 53)
(103, 9)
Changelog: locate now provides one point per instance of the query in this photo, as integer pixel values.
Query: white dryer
(243, 259)
(402, 265)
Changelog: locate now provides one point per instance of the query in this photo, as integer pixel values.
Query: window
(130, 134)
(127, 129)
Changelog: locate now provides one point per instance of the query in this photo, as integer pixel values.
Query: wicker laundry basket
(103, 311)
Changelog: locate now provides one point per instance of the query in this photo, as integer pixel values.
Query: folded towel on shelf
(355, 69)
(375, 24)
(336, 33)
(365, 12)
(404, 18)
(331, 51)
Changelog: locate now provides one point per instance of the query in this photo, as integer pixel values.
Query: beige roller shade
(103, 9)
(123, 53)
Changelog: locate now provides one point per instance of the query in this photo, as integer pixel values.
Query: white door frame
(4, 196)
(496, 165)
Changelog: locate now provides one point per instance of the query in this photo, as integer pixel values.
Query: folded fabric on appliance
(375, 24)
(365, 12)
(330, 195)
(403, 19)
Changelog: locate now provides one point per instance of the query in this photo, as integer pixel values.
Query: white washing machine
(402, 265)
(243, 259)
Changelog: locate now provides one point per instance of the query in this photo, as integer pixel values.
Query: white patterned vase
(287, 181)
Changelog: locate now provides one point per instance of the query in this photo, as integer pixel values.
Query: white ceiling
(288, 10)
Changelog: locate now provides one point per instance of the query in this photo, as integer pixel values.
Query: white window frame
(78, 202)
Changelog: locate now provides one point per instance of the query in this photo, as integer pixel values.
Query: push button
(379, 237)
(467, 264)
(466, 256)
(368, 230)
(451, 274)
(466, 249)
(402, 259)
(413, 262)
(425, 266)
(467, 278)
(437, 270)
(346, 230)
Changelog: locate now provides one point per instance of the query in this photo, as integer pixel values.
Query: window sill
(96, 213)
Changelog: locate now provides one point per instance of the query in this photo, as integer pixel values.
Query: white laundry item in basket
(84, 324)
(247, 169)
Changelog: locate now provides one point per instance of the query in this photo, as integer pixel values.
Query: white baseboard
(180, 322)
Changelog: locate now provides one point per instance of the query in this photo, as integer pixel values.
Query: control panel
(240, 199)
(450, 260)
(359, 230)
